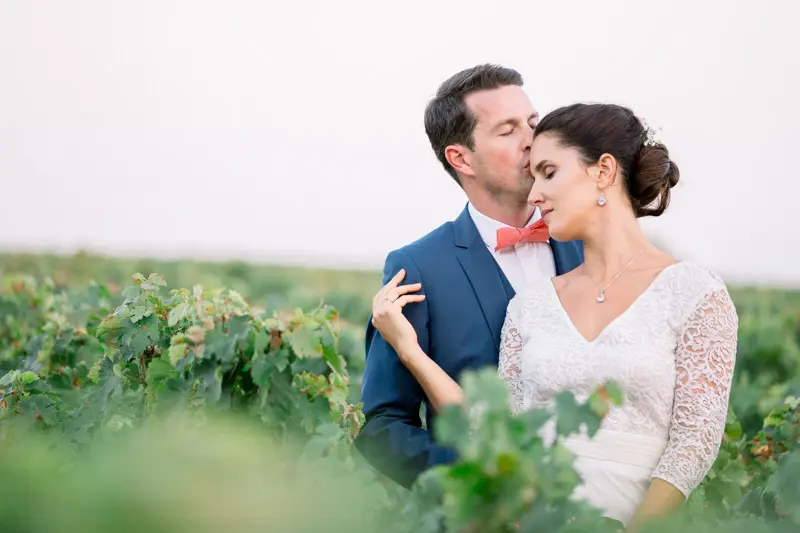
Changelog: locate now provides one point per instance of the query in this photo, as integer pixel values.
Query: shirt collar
(487, 227)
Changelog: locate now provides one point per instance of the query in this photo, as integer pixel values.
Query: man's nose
(528, 137)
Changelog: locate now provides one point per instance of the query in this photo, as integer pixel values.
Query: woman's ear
(605, 171)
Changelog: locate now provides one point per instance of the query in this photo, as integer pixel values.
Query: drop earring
(602, 200)
(595, 173)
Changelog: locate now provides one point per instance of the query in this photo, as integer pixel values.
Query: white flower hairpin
(651, 139)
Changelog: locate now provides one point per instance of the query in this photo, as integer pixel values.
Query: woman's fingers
(409, 298)
(397, 292)
(405, 289)
(391, 292)
(390, 285)
(397, 277)
(387, 307)
(394, 282)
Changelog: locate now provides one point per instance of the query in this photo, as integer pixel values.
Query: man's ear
(460, 158)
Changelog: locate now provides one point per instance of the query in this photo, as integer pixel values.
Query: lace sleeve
(509, 362)
(704, 363)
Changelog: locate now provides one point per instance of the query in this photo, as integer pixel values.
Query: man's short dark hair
(447, 118)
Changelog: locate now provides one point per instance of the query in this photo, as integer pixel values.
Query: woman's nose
(535, 197)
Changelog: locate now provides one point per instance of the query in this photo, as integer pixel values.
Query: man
(480, 125)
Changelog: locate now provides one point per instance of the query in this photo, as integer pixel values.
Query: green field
(203, 395)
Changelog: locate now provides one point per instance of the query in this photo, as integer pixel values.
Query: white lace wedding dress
(673, 353)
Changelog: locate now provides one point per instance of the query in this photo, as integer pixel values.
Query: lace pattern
(672, 351)
(509, 363)
(704, 370)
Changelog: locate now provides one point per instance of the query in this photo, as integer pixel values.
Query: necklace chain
(601, 297)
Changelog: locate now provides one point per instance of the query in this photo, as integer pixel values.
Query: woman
(665, 330)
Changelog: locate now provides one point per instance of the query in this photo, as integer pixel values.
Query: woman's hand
(388, 318)
(387, 313)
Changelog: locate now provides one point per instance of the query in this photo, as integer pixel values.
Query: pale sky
(276, 130)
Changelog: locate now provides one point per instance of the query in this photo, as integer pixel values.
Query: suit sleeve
(392, 438)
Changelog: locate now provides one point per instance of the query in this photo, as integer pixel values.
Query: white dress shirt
(522, 263)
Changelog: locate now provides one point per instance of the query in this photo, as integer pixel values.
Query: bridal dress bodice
(672, 352)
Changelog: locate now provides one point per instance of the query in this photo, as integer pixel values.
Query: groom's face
(502, 141)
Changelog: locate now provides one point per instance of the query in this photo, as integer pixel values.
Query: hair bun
(647, 172)
(654, 174)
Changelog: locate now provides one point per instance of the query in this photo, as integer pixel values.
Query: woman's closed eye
(548, 172)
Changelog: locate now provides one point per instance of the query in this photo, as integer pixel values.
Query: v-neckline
(617, 318)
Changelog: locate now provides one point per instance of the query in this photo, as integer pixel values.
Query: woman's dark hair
(597, 129)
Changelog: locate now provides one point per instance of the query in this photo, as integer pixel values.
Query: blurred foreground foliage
(130, 406)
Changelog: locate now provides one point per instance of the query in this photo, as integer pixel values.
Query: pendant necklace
(601, 297)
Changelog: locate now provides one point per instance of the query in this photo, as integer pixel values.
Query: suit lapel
(490, 285)
(510, 292)
(567, 255)
(485, 277)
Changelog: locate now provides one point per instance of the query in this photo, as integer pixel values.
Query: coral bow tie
(536, 232)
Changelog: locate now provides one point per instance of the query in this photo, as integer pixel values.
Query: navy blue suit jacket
(458, 325)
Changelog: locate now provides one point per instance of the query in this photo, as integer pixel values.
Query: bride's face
(564, 189)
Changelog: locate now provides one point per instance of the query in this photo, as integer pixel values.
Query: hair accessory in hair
(650, 135)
